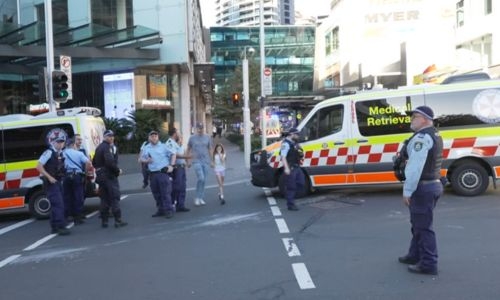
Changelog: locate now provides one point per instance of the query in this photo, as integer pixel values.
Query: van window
(28, 143)
(473, 108)
(325, 121)
(385, 116)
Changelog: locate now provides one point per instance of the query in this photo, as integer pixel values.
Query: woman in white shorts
(220, 168)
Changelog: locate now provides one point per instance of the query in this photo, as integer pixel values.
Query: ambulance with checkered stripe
(24, 138)
(351, 140)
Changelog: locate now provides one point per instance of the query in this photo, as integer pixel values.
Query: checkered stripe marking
(452, 149)
(18, 178)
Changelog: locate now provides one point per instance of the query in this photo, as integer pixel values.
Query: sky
(320, 7)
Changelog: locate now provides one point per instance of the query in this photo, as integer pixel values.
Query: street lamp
(246, 109)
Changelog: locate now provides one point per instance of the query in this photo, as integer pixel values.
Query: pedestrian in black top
(106, 163)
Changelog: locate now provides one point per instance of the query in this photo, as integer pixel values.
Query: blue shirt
(200, 146)
(46, 155)
(285, 147)
(418, 149)
(160, 154)
(74, 160)
(177, 149)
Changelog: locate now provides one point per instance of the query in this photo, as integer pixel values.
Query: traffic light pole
(49, 45)
(262, 66)
(246, 111)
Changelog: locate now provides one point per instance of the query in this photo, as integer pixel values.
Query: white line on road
(276, 211)
(282, 227)
(267, 191)
(14, 226)
(40, 242)
(8, 260)
(271, 200)
(302, 276)
(290, 247)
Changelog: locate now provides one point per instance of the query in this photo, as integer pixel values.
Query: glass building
(289, 52)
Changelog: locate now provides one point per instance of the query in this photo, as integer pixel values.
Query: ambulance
(351, 140)
(23, 138)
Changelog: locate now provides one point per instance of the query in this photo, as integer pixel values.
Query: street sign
(267, 82)
(65, 63)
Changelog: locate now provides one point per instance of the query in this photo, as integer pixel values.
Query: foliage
(236, 138)
(131, 132)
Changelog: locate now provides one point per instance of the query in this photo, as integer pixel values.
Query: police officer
(51, 168)
(422, 189)
(174, 143)
(106, 164)
(291, 156)
(160, 162)
(76, 164)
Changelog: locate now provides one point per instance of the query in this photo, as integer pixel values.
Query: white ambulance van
(23, 138)
(351, 140)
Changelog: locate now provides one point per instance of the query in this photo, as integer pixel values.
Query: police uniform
(424, 188)
(73, 185)
(53, 163)
(295, 180)
(107, 171)
(160, 180)
(179, 176)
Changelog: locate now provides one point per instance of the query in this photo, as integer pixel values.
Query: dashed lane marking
(282, 227)
(302, 276)
(276, 211)
(14, 226)
(290, 247)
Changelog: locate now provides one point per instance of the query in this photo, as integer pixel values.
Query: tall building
(247, 12)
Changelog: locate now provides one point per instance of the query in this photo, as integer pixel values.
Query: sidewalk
(131, 180)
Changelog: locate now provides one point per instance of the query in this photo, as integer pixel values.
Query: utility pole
(49, 45)
(262, 66)
(246, 110)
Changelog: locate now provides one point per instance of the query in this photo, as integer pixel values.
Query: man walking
(200, 149)
(160, 162)
(422, 189)
(291, 156)
(106, 164)
(51, 168)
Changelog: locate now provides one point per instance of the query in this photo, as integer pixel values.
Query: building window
(487, 7)
(460, 13)
(59, 12)
(117, 14)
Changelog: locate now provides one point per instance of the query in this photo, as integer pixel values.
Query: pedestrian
(78, 144)
(214, 131)
(144, 166)
(219, 158)
(51, 168)
(106, 164)
(422, 189)
(76, 165)
(291, 157)
(174, 143)
(200, 149)
(160, 162)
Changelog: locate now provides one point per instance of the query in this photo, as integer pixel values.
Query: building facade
(247, 12)
(125, 54)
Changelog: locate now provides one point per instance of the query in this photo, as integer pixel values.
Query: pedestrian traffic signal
(236, 99)
(60, 86)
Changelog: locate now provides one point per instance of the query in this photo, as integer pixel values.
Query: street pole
(262, 66)
(49, 47)
(246, 111)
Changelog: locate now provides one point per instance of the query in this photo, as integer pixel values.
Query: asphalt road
(342, 244)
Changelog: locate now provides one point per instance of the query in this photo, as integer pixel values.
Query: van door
(383, 125)
(324, 138)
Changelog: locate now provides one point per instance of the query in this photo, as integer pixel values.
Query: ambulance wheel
(469, 179)
(39, 205)
(302, 193)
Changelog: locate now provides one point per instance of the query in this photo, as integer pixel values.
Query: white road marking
(271, 200)
(40, 242)
(8, 260)
(267, 191)
(123, 197)
(290, 247)
(92, 214)
(276, 211)
(282, 227)
(302, 276)
(14, 226)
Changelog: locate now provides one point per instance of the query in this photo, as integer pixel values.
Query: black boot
(118, 219)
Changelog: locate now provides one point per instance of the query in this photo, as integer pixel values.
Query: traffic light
(38, 87)
(236, 99)
(59, 86)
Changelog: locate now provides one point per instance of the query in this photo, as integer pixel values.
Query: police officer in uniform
(51, 168)
(174, 143)
(422, 189)
(160, 162)
(76, 164)
(106, 164)
(291, 156)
